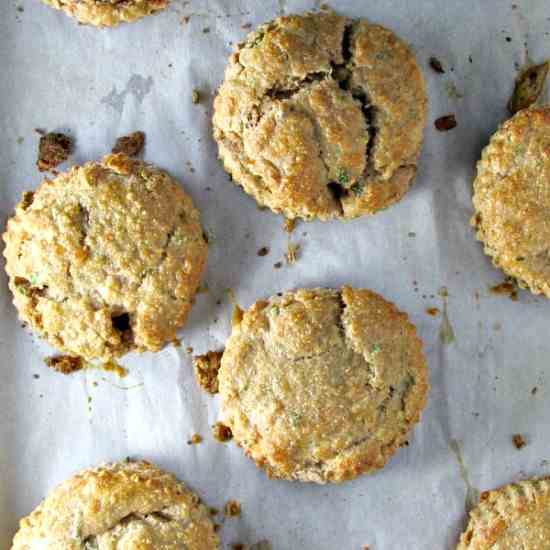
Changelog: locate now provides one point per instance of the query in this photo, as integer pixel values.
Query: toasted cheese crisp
(510, 518)
(321, 116)
(105, 258)
(512, 199)
(322, 385)
(126, 505)
(107, 13)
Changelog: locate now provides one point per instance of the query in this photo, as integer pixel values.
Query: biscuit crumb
(195, 439)
(111, 366)
(131, 145)
(445, 123)
(65, 364)
(433, 311)
(519, 441)
(528, 88)
(221, 432)
(436, 65)
(53, 149)
(506, 288)
(232, 509)
(264, 251)
(206, 370)
(289, 225)
(195, 97)
(292, 253)
(176, 343)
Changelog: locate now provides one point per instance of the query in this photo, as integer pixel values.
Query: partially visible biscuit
(510, 518)
(512, 199)
(322, 385)
(107, 13)
(321, 116)
(105, 258)
(130, 505)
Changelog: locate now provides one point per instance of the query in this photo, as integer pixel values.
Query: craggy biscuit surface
(321, 117)
(107, 13)
(512, 199)
(322, 385)
(510, 518)
(121, 506)
(105, 258)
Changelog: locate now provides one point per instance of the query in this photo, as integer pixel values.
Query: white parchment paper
(100, 84)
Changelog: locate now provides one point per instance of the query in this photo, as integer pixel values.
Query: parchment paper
(100, 84)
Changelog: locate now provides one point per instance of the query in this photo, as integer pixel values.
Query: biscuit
(107, 13)
(105, 258)
(512, 199)
(512, 517)
(321, 116)
(126, 505)
(322, 385)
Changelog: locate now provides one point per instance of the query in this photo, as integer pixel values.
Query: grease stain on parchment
(137, 86)
(446, 332)
(472, 494)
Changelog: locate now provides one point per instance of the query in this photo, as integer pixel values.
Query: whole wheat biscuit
(107, 13)
(321, 116)
(322, 385)
(126, 505)
(512, 199)
(510, 518)
(105, 258)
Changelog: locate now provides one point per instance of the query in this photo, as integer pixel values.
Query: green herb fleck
(358, 188)
(34, 280)
(342, 176)
(376, 348)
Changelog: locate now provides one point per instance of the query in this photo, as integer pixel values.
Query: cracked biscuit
(126, 505)
(322, 385)
(512, 199)
(107, 13)
(105, 258)
(321, 116)
(509, 518)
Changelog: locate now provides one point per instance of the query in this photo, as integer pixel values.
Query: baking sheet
(100, 84)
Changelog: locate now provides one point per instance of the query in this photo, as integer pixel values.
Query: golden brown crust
(322, 385)
(512, 517)
(105, 258)
(512, 200)
(321, 117)
(121, 506)
(107, 13)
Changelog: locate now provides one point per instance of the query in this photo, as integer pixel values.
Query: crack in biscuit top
(320, 116)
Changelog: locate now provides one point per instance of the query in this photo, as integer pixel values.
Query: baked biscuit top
(321, 117)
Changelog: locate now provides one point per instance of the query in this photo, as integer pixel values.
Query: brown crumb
(206, 370)
(534, 391)
(176, 343)
(237, 546)
(292, 253)
(131, 145)
(111, 366)
(433, 311)
(189, 350)
(278, 265)
(246, 26)
(221, 432)
(195, 439)
(519, 441)
(529, 86)
(53, 149)
(195, 97)
(65, 364)
(232, 509)
(264, 251)
(289, 225)
(506, 288)
(217, 527)
(184, 20)
(213, 511)
(436, 65)
(445, 123)
(206, 30)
